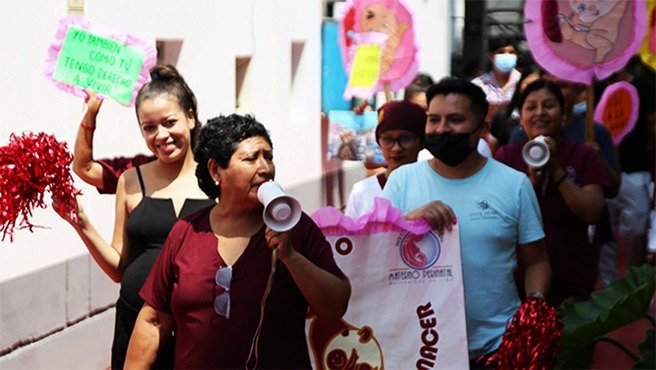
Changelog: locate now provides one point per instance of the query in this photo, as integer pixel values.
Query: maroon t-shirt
(566, 236)
(182, 283)
(114, 167)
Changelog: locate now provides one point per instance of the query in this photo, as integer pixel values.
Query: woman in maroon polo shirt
(236, 291)
(570, 190)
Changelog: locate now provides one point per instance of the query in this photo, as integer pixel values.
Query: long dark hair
(165, 79)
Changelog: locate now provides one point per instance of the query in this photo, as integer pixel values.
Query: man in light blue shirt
(495, 206)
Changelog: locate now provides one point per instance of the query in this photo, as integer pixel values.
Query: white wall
(48, 284)
(433, 31)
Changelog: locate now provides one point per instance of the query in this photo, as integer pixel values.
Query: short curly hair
(218, 139)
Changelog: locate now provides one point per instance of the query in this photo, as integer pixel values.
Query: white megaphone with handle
(281, 211)
(536, 152)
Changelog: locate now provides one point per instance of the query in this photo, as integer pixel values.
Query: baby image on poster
(582, 40)
(593, 25)
(352, 136)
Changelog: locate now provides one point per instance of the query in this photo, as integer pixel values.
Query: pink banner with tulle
(407, 303)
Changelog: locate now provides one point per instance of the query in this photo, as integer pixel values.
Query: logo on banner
(337, 344)
(420, 252)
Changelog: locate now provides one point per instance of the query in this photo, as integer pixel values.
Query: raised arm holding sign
(94, 63)
(104, 173)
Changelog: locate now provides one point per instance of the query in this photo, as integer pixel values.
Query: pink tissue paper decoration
(565, 36)
(73, 20)
(383, 217)
(400, 62)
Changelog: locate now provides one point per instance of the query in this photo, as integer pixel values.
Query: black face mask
(451, 149)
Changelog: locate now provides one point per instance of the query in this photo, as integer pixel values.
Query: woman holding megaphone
(569, 180)
(236, 288)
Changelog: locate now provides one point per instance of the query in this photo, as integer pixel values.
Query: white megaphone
(536, 152)
(281, 211)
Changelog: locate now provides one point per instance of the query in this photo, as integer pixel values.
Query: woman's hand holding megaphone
(281, 213)
(280, 241)
(538, 175)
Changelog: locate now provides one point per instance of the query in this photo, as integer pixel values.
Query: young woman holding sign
(150, 198)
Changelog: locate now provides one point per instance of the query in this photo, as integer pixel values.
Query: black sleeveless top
(147, 228)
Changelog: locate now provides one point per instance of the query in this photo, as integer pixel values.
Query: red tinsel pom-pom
(531, 338)
(29, 165)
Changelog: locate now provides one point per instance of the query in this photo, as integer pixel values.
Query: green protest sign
(107, 66)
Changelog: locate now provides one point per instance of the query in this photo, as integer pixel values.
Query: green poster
(107, 66)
